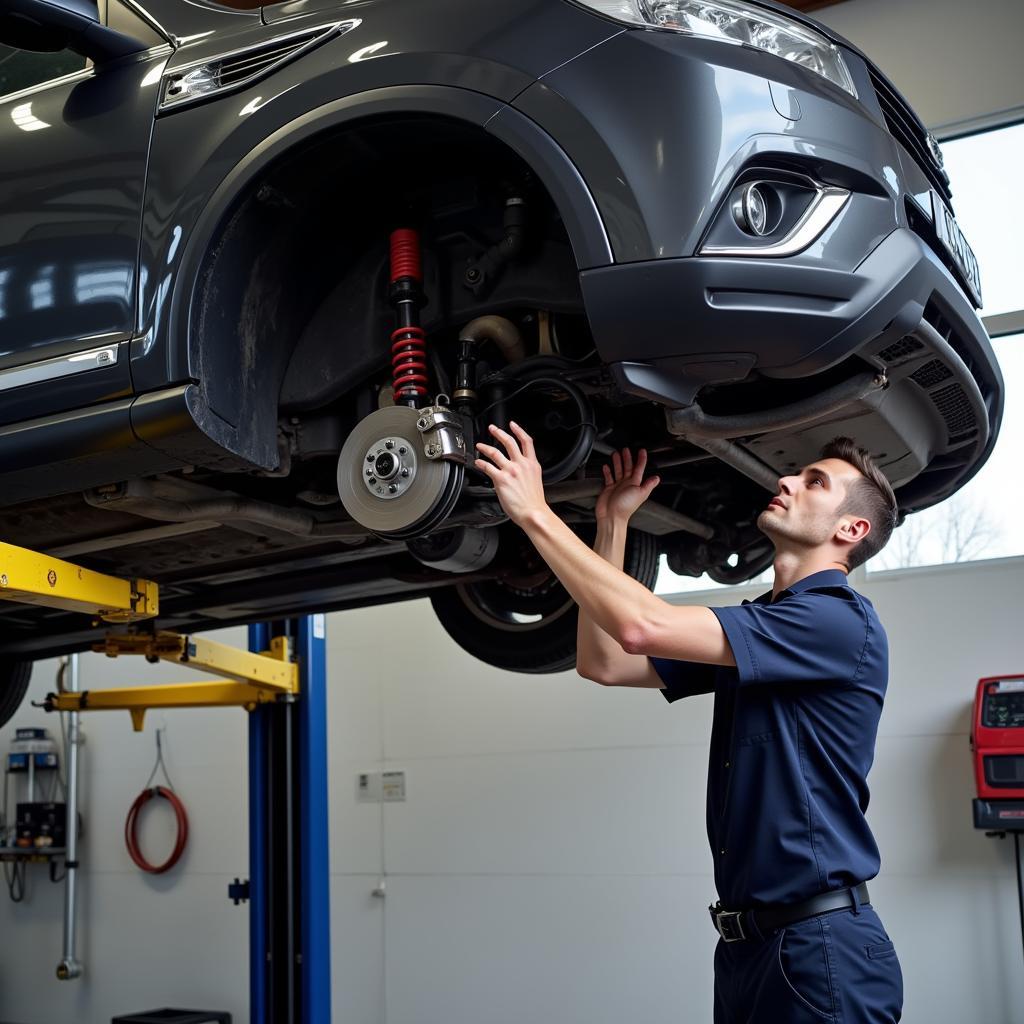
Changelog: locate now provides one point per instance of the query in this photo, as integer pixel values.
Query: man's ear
(852, 529)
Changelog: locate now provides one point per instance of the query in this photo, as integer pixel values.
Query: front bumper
(784, 319)
(661, 126)
(671, 327)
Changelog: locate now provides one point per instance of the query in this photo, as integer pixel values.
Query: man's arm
(598, 656)
(626, 610)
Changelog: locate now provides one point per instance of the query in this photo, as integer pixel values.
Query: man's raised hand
(625, 489)
(515, 473)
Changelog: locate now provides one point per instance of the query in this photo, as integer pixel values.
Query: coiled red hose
(408, 342)
(132, 840)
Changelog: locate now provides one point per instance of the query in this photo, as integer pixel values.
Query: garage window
(984, 172)
(980, 521)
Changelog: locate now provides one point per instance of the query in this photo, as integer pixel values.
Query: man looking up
(799, 676)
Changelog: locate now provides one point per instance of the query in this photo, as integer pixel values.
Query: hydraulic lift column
(289, 891)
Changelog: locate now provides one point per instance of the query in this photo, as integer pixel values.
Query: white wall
(952, 60)
(554, 834)
(146, 941)
(550, 862)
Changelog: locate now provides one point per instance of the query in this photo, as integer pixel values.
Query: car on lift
(268, 270)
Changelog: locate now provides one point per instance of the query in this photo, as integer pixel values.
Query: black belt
(729, 923)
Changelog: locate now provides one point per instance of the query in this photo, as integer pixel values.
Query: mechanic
(799, 676)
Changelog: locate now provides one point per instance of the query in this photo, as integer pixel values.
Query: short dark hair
(870, 496)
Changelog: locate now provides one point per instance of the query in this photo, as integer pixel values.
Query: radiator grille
(931, 374)
(955, 409)
(905, 126)
(898, 352)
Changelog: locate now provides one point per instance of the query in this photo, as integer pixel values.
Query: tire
(14, 677)
(481, 617)
(752, 562)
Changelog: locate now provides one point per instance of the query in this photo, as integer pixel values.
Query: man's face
(805, 509)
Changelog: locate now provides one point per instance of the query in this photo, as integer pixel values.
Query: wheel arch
(238, 384)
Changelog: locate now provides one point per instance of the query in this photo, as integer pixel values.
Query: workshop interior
(290, 722)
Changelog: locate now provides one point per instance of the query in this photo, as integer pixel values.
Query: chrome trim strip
(62, 366)
(821, 211)
(50, 83)
(140, 12)
(316, 35)
(262, 44)
(75, 76)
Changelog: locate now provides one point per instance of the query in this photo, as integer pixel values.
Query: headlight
(734, 22)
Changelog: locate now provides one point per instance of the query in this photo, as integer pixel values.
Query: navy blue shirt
(792, 740)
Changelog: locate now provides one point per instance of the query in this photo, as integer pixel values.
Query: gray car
(267, 272)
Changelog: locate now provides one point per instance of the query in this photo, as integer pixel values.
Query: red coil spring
(408, 361)
(408, 344)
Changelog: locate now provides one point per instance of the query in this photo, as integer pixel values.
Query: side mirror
(47, 26)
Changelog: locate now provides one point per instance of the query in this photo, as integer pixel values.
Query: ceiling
(811, 5)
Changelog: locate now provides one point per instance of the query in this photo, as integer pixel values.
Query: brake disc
(387, 483)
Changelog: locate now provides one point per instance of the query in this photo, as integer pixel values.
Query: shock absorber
(408, 343)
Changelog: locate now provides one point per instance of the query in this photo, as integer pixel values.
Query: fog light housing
(757, 209)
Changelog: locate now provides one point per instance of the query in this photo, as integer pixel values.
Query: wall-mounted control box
(380, 787)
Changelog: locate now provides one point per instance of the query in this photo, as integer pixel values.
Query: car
(267, 271)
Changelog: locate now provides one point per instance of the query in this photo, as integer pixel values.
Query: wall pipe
(69, 967)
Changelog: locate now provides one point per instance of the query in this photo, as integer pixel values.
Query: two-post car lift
(282, 682)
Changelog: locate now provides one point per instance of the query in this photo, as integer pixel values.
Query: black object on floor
(169, 1016)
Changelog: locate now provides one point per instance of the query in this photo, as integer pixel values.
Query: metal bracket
(238, 891)
(247, 680)
(267, 671)
(443, 433)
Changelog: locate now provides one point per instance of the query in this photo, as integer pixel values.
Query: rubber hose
(132, 840)
(587, 435)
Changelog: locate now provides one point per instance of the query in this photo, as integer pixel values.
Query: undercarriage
(386, 360)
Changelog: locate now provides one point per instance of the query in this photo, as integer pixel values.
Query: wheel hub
(390, 468)
(387, 479)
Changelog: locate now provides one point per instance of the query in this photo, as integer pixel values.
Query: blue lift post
(289, 870)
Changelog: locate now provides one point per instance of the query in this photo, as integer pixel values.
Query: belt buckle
(728, 923)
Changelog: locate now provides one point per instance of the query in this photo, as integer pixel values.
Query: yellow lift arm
(30, 577)
(247, 679)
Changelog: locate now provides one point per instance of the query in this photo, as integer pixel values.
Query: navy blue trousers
(836, 968)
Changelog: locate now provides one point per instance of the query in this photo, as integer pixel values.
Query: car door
(74, 139)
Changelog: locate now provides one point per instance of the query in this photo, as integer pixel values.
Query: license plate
(953, 241)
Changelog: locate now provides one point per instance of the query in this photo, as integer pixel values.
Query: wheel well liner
(233, 313)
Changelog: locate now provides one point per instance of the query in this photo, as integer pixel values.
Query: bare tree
(904, 546)
(958, 530)
(969, 530)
